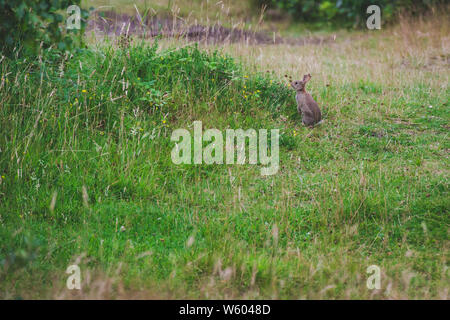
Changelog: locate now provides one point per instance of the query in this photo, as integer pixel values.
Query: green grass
(347, 195)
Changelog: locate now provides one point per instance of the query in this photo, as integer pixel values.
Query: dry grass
(415, 49)
(196, 11)
(328, 277)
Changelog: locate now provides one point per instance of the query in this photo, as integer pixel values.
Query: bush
(30, 23)
(344, 12)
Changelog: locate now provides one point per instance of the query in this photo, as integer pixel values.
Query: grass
(87, 178)
(202, 11)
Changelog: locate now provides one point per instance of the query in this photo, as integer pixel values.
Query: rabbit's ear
(306, 78)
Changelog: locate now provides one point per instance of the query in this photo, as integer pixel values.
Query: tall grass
(86, 174)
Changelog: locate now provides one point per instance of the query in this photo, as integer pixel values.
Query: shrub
(344, 12)
(30, 24)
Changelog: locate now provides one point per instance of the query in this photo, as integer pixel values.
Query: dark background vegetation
(346, 13)
(33, 24)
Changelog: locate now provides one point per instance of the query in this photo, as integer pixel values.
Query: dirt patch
(115, 24)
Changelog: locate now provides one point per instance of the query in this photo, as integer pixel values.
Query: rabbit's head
(299, 85)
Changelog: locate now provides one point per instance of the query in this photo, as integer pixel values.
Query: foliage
(344, 12)
(30, 23)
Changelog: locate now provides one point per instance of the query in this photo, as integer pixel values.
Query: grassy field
(87, 177)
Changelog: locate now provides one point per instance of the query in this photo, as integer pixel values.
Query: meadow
(87, 176)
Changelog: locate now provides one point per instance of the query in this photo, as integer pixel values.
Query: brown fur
(306, 105)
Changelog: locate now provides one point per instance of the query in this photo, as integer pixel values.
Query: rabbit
(306, 105)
